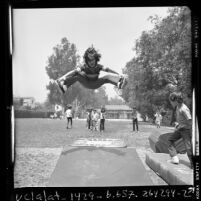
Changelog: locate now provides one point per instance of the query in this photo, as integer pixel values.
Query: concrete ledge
(180, 174)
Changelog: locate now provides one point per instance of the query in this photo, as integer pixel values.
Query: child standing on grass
(158, 119)
(89, 119)
(69, 117)
(102, 120)
(92, 119)
(135, 119)
(95, 120)
(58, 111)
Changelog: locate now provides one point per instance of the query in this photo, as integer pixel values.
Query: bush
(32, 114)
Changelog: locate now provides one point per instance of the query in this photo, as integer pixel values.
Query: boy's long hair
(176, 96)
(91, 52)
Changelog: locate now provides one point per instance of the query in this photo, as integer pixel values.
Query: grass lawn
(39, 142)
(53, 133)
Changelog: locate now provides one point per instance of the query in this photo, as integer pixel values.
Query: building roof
(117, 107)
(19, 97)
(29, 98)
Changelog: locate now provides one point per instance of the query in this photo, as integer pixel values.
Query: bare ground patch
(34, 166)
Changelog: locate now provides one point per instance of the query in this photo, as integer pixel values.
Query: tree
(63, 60)
(115, 101)
(162, 63)
(100, 97)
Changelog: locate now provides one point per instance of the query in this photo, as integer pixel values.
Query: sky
(112, 31)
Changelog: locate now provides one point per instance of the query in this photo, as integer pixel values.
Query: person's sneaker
(174, 160)
(119, 84)
(62, 87)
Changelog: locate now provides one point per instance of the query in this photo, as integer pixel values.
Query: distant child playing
(135, 119)
(69, 116)
(95, 119)
(102, 120)
(158, 119)
(89, 121)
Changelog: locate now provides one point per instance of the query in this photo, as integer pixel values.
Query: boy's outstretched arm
(109, 70)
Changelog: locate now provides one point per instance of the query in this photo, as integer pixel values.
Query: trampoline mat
(99, 166)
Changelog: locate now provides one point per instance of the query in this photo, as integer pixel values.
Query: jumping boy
(88, 74)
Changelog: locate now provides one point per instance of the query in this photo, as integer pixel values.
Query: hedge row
(32, 114)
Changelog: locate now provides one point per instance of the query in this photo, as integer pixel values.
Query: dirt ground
(34, 166)
(39, 143)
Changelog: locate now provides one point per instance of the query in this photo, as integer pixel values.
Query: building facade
(25, 101)
(118, 112)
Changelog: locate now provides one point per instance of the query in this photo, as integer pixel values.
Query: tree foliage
(63, 60)
(116, 101)
(162, 63)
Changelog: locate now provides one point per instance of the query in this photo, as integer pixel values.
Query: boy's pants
(135, 123)
(158, 124)
(69, 120)
(102, 124)
(91, 83)
(94, 125)
(186, 135)
(89, 123)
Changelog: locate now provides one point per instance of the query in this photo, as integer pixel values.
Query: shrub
(32, 114)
